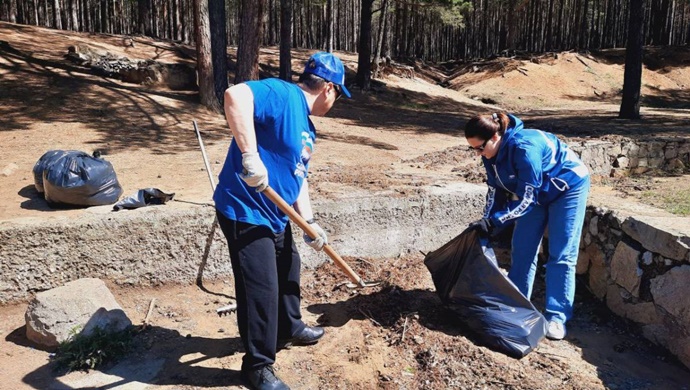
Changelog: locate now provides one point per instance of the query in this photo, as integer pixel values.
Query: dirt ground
(401, 135)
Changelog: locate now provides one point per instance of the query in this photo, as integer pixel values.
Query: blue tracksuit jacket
(531, 167)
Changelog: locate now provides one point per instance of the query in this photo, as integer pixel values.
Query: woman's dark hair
(485, 126)
(311, 81)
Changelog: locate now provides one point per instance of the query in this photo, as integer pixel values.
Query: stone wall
(614, 158)
(640, 266)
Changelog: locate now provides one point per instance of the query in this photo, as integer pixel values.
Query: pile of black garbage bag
(70, 178)
(470, 283)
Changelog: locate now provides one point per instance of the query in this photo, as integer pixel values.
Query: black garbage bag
(144, 197)
(76, 179)
(43, 163)
(470, 283)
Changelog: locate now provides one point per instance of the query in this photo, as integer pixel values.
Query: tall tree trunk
(204, 64)
(386, 46)
(512, 28)
(549, 27)
(219, 47)
(104, 16)
(250, 39)
(584, 35)
(632, 80)
(143, 23)
(34, 14)
(176, 21)
(671, 20)
(382, 30)
(363, 78)
(330, 15)
(12, 11)
(285, 40)
(74, 18)
(86, 20)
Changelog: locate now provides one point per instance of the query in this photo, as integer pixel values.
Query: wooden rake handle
(296, 218)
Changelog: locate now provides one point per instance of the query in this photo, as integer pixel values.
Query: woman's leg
(566, 216)
(527, 235)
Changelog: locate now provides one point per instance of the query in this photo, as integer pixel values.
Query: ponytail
(503, 121)
(485, 126)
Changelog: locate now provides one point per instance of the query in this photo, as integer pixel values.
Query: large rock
(598, 273)
(672, 292)
(78, 306)
(660, 235)
(625, 270)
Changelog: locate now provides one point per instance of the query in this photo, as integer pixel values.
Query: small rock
(9, 169)
(647, 258)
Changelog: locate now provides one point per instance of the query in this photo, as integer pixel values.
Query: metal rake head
(227, 309)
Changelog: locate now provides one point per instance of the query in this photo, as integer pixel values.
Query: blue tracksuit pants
(564, 218)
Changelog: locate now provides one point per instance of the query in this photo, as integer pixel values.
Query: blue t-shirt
(285, 138)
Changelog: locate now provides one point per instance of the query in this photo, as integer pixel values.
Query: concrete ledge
(161, 244)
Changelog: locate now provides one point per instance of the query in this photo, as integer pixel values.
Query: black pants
(266, 267)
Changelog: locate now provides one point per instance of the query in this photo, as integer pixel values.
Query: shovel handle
(296, 218)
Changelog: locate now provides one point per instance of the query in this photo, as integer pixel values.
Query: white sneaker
(555, 331)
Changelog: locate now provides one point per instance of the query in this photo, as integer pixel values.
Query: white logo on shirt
(305, 156)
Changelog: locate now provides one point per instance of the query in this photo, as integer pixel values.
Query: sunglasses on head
(479, 148)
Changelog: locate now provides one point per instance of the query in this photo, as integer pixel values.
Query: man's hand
(255, 173)
(320, 240)
(483, 226)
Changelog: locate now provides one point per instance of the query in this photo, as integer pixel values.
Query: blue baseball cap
(328, 67)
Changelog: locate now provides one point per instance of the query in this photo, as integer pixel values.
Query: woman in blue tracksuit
(534, 181)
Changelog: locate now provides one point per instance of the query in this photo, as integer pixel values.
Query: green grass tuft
(84, 353)
(677, 203)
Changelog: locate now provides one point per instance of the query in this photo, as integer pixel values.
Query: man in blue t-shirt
(273, 139)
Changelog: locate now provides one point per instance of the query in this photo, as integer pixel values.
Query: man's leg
(289, 266)
(527, 235)
(253, 257)
(566, 216)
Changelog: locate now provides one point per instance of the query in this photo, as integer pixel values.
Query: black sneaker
(308, 336)
(264, 378)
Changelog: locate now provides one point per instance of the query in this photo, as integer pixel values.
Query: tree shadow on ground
(132, 117)
(656, 58)
(600, 124)
(128, 116)
(667, 99)
(398, 109)
(159, 356)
